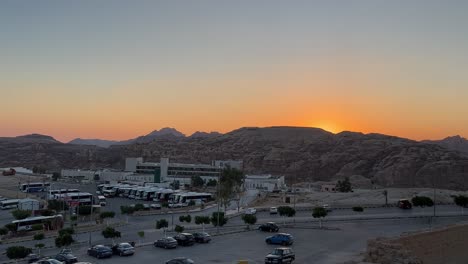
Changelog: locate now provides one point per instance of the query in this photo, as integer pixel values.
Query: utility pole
(217, 195)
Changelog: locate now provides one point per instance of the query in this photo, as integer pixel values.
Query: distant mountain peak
(38, 137)
(166, 131)
(201, 134)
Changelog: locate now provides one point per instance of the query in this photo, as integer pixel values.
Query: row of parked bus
(155, 194)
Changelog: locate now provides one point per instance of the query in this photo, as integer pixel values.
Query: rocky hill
(455, 143)
(309, 153)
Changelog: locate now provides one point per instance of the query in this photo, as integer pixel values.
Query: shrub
(202, 220)
(179, 229)
(141, 234)
(84, 210)
(319, 212)
(191, 203)
(39, 236)
(74, 217)
(21, 214)
(286, 211)
(222, 219)
(47, 212)
(127, 209)
(67, 231)
(211, 183)
(358, 209)
(3, 231)
(461, 200)
(185, 218)
(18, 252)
(11, 227)
(110, 232)
(249, 219)
(197, 181)
(139, 207)
(165, 204)
(107, 215)
(422, 201)
(64, 240)
(344, 186)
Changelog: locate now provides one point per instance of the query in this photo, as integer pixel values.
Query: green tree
(211, 183)
(21, 214)
(319, 212)
(179, 229)
(197, 181)
(191, 203)
(11, 227)
(57, 205)
(230, 186)
(39, 246)
(249, 219)
(358, 209)
(55, 176)
(162, 224)
(422, 201)
(37, 227)
(202, 220)
(67, 231)
(110, 232)
(3, 231)
(461, 201)
(141, 234)
(175, 185)
(47, 212)
(18, 252)
(84, 210)
(385, 193)
(344, 186)
(222, 219)
(39, 236)
(64, 240)
(286, 211)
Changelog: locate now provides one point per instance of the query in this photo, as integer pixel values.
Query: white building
(264, 182)
(235, 164)
(29, 204)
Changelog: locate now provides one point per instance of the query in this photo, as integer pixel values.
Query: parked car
(123, 249)
(48, 261)
(185, 239)
(404, 204)
(180, 261)
(66, 258)
(269, 227)
(280, 239)
(100, 251)
(202, 237)
(250, 211)
(156, 206)
(146, 207)
(34, 258)
(66, 251)
(166, 242)
(280, 255)
(273, 210)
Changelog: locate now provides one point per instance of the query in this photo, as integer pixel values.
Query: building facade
(264, 182)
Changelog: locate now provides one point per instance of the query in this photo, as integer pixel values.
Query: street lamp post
(217, 195)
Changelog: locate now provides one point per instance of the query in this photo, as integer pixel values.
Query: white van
(101, 200)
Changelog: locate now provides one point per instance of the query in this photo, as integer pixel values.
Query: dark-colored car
(404, 204)
(180, 261)
(66, 258)
(123, 249)
(48, 261)
(280, 239)
(269, 227)
(280, 255)
(34, 257)
(100, 251)
(166, 242)
(185, 239)
(202, 237)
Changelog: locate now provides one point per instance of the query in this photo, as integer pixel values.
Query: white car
(273, 210)
(251, 211)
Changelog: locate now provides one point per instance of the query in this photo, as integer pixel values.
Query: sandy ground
(361, 197)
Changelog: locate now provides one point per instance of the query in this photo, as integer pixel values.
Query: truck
(10, 172)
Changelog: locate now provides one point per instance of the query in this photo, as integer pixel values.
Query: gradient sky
(119, 69)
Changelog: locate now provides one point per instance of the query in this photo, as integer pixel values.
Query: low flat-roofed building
(264, 182)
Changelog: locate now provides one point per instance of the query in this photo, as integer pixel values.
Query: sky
(120, 69)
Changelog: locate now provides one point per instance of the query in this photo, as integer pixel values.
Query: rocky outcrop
(310, 154)
(454, 143)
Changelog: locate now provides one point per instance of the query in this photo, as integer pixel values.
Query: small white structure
(264, 182)
(328, 188)
(29, 204)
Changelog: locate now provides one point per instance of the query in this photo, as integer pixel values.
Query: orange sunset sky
(96, 70)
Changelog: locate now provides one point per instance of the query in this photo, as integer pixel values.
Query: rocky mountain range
(302, 154)
(456, 143)
(166, 133)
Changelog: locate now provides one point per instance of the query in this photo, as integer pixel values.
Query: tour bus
(140, 194)
(185, 198)
(52, 193)
(163, 195)
(133, 192)
(125, 191)
(82, 198)
(34, 187)
(49, 222)
(9, 204)
(151, 193)
(108, 193)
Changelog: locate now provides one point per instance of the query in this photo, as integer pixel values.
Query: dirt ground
(9, 185)
(357, 197)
